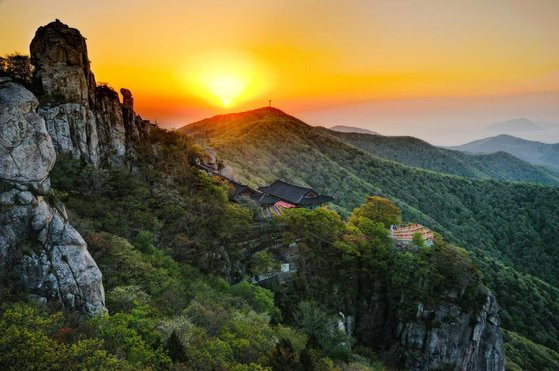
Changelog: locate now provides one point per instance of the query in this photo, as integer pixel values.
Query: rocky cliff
(71, 115)
(36, 240)
(83, 119)
(446, 334)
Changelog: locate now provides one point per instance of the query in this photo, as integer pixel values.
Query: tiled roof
(294, 194)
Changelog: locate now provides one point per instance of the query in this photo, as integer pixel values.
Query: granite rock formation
(441, 335)
(83, 119)
(36, 240)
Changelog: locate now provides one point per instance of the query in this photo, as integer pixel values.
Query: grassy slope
(511, 222)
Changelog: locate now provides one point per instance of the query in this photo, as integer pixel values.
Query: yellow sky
(186, 59)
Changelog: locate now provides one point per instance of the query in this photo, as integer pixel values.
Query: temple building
(278, 196)
(290, 195)
(240, 190)
(404, 233)
(274, 198)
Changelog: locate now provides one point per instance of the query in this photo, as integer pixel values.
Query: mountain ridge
(352, 129)
(418, 153)
(534, 152)
(452, 162)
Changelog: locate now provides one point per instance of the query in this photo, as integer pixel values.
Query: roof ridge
(291, 184)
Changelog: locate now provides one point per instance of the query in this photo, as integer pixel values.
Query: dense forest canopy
(166, 239)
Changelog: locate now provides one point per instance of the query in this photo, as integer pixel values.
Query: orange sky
(185, 60)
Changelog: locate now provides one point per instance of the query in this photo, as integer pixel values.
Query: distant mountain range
(352, 129)
(418, 153)
(517, 124)
(536, 153)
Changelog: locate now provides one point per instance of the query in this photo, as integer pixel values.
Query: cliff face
(36, 239)
(83, 119)
(439, 336)
(77, 117)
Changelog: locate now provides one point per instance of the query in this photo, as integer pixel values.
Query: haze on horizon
(438, 70)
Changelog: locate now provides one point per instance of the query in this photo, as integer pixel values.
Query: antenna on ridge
(269, 103)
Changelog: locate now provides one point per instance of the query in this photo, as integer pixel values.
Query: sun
(226, 88)
(226, 78)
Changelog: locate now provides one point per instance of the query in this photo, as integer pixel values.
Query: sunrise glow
(410, 62)
(225, 78)
(227, 88)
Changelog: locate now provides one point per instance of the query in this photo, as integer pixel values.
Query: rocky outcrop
(36, 239)
(136, 127)
(447, 337)
(73, 128)
(110, 126)
(84, 120)
(26, 152)
(441, 335)
(62, 72)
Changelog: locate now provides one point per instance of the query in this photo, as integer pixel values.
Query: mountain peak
(246, 119)
(262, 111)
(516, 124)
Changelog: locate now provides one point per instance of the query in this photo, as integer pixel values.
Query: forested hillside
(417, 153)
(512, 225)
(169, 245)
(166, 239)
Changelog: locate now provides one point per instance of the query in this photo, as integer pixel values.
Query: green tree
(259, 298)
(133, 336)
(33, 339)
(379, 209)
(418, 240)
(18, 67)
